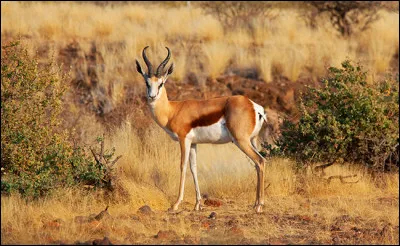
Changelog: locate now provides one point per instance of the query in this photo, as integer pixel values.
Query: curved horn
(146, 60)
(162, 65)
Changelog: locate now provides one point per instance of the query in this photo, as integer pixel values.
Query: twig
(94, 155)
(341, 178)
(267, 186)
(102, 148)
(322, 167)
(116, 159)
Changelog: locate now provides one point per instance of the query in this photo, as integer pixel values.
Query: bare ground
(285, 220)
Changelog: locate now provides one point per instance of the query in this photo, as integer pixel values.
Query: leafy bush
(36, 156)
(346, 119)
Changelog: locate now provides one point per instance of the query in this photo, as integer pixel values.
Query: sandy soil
(291, 220)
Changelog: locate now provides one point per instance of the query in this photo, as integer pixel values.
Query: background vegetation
(36, 155)
(346, 119)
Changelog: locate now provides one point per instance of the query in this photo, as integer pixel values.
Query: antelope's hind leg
(252, 153)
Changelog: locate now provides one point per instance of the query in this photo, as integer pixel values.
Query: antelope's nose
(152, 98)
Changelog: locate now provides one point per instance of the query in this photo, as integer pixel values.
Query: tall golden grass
(285, 41)
(148, 174)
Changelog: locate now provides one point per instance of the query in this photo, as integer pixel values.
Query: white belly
(216, 133)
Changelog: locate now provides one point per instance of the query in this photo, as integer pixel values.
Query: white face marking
(216, 133)
(154, 89)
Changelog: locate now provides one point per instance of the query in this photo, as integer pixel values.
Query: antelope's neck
(161, 109)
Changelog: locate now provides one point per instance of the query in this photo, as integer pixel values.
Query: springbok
(219, 120)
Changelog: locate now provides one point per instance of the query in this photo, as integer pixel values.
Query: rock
(145, 210)
(213, 215)
(213, 202)
(104, 241)
(166, 235)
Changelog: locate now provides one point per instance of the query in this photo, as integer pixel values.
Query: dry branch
(105, 162)
(321, 169)
(341, 178)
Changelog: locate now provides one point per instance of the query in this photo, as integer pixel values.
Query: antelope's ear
(170, 69)
(139, 68)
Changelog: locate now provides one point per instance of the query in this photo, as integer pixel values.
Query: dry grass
(149, 174)
(218, 57)
(285, 41)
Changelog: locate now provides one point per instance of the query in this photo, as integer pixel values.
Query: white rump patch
(259, 110)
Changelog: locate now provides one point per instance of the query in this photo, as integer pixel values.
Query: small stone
(104, 241)
(166, 235)
(145, 210)
(213, 215)
(213, 202)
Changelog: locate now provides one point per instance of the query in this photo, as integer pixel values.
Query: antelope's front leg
(185, 150)
(193, 169)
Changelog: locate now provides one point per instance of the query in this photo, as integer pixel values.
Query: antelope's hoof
(174, 207)
(198, 207)
(259, 208)
(256, 204)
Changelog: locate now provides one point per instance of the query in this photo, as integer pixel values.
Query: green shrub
(345, 119)
(36, 156)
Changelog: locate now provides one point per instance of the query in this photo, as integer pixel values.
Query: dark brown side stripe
(209, 119)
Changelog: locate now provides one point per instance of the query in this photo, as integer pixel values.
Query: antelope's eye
(159, 87)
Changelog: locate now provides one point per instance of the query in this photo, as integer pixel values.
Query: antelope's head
(155, 81)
